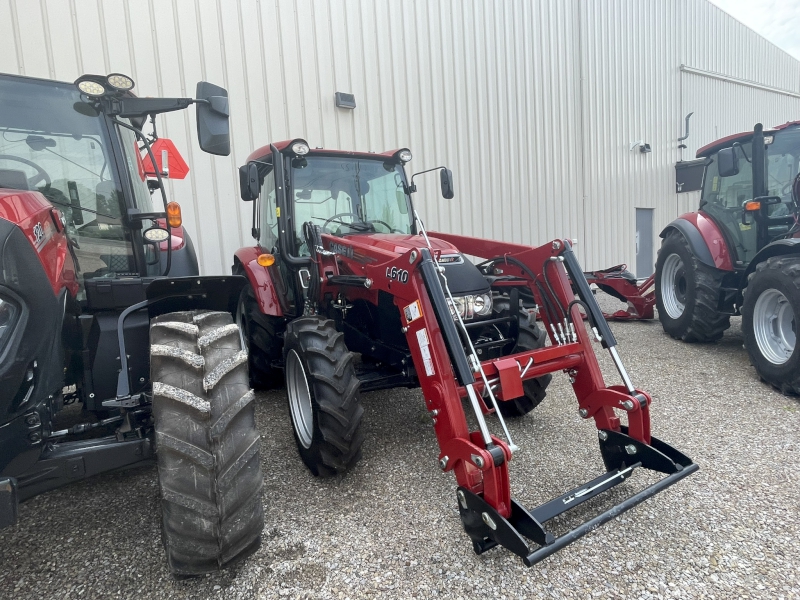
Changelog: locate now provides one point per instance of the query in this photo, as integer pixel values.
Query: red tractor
(102, 305)
(740, 252)
(348, 293)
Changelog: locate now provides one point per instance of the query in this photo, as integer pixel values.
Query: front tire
(260, 334)
(771, 302)
(207, 443)
(324, 403)
(687, 293)
(531, 337)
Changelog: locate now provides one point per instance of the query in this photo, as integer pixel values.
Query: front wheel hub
(299, 399)
(774, 326)
(673, 286)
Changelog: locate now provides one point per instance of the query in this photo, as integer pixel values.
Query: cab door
(723, 201)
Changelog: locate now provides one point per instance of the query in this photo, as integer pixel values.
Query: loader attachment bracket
(622, 455)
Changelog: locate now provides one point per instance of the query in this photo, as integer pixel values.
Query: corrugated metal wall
(533, 104)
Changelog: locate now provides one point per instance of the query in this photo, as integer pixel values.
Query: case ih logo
(341, 249)
(38, 236)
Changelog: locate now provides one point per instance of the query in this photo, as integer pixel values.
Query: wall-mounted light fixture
(644, 148)
(344, 100)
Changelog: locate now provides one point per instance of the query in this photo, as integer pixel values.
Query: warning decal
(424, 348)
(412, 312)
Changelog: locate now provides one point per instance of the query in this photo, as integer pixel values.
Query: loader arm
(447, 374)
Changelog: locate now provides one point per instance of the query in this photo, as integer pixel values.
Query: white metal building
(534, 104)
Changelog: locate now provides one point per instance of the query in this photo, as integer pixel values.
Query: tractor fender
(184, 257)
(777, 248)
(260, 279)
(704, 238)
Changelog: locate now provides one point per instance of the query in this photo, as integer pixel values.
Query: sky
(776, 20)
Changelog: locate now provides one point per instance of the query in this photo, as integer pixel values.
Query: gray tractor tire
(687, 293)
(531, 337)
(207, 443)
(769, 316)
(322, 389)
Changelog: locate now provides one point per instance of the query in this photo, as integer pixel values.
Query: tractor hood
(463, 277)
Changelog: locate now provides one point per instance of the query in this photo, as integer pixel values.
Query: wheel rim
(774, 326)
(299, 399)
(241, 322)
(673, 286)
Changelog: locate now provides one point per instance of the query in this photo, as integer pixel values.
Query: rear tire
(687, 293)
(324, 403)
(264, 346)
(771, 303)
(531, 337)
(207, 443)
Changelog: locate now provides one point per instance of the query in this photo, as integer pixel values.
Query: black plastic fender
(777, 248)
(693, 237)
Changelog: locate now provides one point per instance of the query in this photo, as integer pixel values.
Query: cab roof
(743, 137)
(266, 151)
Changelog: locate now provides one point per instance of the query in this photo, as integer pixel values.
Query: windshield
(52, 142)
(349, 195)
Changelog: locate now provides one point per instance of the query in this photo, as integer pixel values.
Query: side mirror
(248, 182)
(446, 177)
(213, 129)
(727, 162)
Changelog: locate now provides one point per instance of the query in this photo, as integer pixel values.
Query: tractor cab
(342, 193)
(88, 168)
(80, 145)
(748, 188)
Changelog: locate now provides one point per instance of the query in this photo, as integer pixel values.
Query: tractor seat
(13, 179)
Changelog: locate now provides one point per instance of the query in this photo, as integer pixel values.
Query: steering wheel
(389, 227)
(41, 174)
(337, 215)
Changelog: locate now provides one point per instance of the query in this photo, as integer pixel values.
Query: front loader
(349, 293)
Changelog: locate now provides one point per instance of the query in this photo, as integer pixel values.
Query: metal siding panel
(64, 61)
(9, 47)
(533, 105)
(30, 38)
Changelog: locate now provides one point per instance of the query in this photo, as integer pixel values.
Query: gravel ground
(390, 528)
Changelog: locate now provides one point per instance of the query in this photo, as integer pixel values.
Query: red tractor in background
(739, 254)
(348, 293)
(102, 305)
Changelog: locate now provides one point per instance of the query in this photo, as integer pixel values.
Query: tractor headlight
(120, 82)
(91, 88)
(468, 306)
(9, 311)
(482, 304)
(300, 148)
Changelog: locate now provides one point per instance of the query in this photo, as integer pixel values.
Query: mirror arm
(741, 148)
(138, 133)
(413, 187)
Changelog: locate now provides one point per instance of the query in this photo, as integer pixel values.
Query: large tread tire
(781, 273)
(531, 337)
(207, 443)
(264, 344)
(700, 285)
(334, 434)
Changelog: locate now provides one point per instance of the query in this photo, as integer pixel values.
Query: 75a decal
(399, 275)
